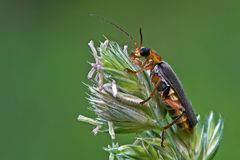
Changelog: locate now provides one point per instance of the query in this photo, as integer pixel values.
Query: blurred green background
(44, 56)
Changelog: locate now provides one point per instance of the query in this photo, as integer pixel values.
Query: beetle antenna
(115, 25)
(141, 37)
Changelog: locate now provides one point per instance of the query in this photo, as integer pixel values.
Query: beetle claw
(130, 71)
(143, 102)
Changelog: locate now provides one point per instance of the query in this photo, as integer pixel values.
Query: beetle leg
(130, 71)
(137, 62)
(153, 92)
(174, 104)
(135, 57)
(171, 99)
(144, 66)
(168, 126)
(134, 72)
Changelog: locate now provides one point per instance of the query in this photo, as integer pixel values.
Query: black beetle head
(144, 52)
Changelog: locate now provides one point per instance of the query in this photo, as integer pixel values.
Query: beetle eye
(145, 52)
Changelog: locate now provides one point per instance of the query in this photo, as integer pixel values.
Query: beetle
(166, 83)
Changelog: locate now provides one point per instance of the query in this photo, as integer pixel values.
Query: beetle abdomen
(174, 95)
(183, 122)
